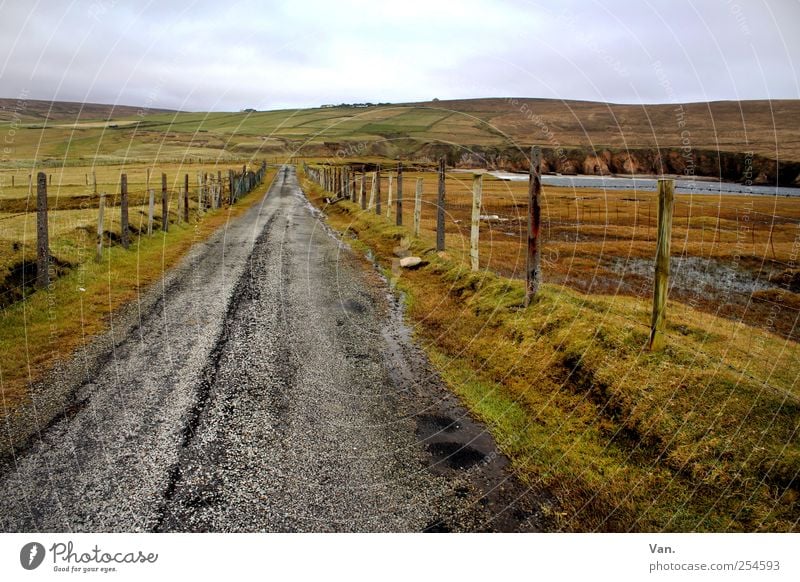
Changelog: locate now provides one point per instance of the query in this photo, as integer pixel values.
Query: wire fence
(732, 255)
(75, 225)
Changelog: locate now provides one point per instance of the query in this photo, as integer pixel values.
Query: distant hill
(32, 110)
(734, 140)
(766, 127)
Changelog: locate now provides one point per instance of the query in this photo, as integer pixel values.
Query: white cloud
(210, 55)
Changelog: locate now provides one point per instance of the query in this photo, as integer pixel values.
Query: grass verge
(52, 323)
(700, 437)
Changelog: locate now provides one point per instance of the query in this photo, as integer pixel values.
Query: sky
(227, 56)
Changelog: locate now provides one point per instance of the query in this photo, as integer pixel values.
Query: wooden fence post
(371, 204)
(378, 191)
(151, 210)
(230, 186)
(418, 206)
(42, 233)
(363, 189)
(440, 209)
(123, 205)
(477, 190)
(100, 213)
(164, 204)
(399, 216)
(389, 197)
(186, 198)
(94, 182)
(199, 194)
(533, 273)
(666, 196)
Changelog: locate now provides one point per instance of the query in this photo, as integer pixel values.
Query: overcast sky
(295, 53)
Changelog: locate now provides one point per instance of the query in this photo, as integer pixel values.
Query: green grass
(50, 324)
(702, 436)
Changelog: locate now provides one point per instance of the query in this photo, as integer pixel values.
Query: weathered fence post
(666, 196)
(399, 211)
(363, 189)
(230, 186)
(94, 182)
(186, 198)
(151, 210)
(199, 194)
(440, 209)
(123, 205)
(42, 234)
(100, 212)
(164, 204)
(389, 197)
(533, 273)
(378, 191)
(477, 190)
(418, 206)
(371, 204)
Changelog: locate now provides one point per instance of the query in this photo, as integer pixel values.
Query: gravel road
(268, 384)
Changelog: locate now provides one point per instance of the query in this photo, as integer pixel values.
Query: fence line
(240, 183)
(629, 226)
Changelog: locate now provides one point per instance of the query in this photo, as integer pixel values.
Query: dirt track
(268, 384)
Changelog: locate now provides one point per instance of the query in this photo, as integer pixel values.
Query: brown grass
(590, 234)
(702, 436)
(50, 325)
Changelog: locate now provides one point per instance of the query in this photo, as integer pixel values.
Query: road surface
(268, 384)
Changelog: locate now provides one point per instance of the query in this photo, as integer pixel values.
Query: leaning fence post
(42, 234)
(100, 212)
(399, 216)
(123, 205)
(418, 206)
(477, 189)
(533, 273)
(666, 196)
(440, 209)
(164, 204)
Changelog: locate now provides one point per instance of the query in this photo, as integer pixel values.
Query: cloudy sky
(296, 53)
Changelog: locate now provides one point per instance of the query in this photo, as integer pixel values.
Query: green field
(36, 136)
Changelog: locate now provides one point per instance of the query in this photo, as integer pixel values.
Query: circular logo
(31, 555)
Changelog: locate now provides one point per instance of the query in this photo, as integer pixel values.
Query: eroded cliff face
(731, 166)
(737, 167)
